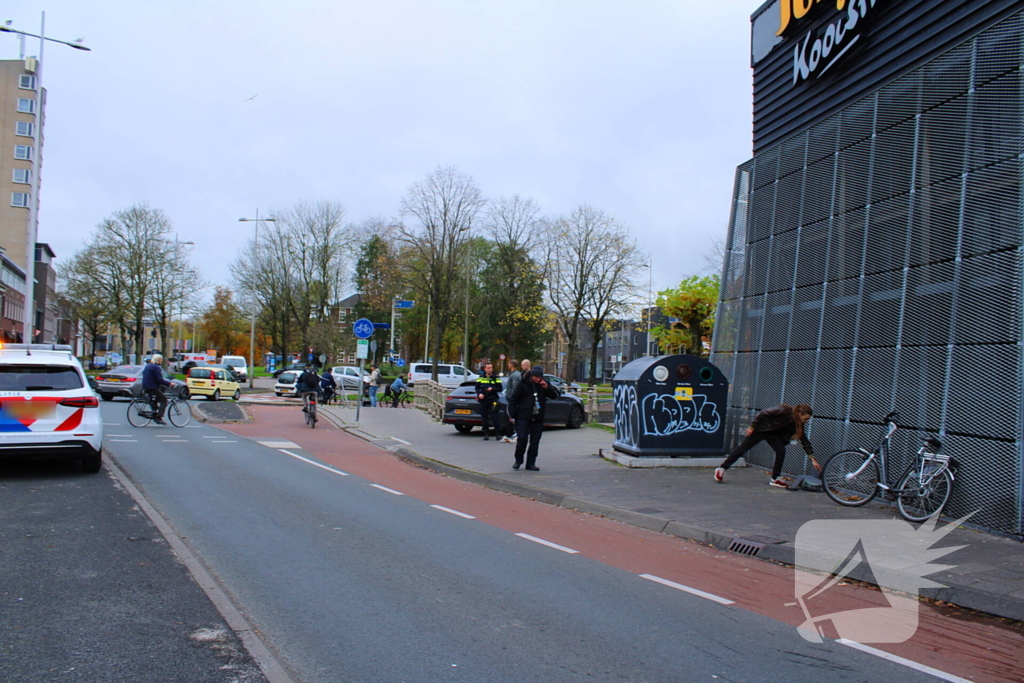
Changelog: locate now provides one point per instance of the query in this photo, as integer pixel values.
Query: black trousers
(158, 399)
(777, 439)
(489, 410)
(528, 431)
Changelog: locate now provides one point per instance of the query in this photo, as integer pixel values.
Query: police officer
(488, 387)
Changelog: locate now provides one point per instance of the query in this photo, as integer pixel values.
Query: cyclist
(153, 384)
(327, 386)
(397, 387)
(778, 426)
(308, 384)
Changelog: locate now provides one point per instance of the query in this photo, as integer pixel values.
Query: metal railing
(429, 397)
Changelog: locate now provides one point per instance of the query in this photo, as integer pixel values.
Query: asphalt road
(353, 566)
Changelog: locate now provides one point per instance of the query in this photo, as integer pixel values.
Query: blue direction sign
(363, 328)
(400, 363)
(404, 304)
(387, 326)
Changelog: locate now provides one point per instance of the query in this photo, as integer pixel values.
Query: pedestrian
(397, 387)
(328, 385)
(488, 389)
(153, 384)
(514, 376)
(527, 406)
(372, 388)
(777, 426)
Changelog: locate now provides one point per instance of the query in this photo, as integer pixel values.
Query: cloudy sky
(212, 110)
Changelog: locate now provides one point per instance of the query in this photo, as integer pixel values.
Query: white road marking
(112, 424)
(316, 464)
(124, 440)
(454, 512)
(687, 589)
(193, 427)
(385, 488)
(213, 437)
(279, 444)
(401, 441)
(900, 660)
(221, 442)
(174, 441)
(119, 435)
(549, 544)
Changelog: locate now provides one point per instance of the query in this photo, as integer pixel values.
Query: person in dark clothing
(527, 405)
(514, 377)
(307, 383)
(327, 386)
(488, 388)
(777, 426)
(153, 384)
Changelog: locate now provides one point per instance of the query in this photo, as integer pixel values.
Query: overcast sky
(638, 109)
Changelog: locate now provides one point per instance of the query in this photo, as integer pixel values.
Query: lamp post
(252, 312)
(181, 306)
(650, 300)
(33, 202)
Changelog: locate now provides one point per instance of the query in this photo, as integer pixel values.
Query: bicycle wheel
(386, 401)
(135, 413)
(312, 415)
(406, 400)
(179, 413)
(916, 502)
(846, 489)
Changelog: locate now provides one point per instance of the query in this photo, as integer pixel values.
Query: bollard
(592, 404)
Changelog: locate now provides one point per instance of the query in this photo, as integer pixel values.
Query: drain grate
(746, 547)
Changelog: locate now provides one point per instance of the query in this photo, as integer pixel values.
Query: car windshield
(287, 377)
(200, 373)
(234, 362)
(39, 378)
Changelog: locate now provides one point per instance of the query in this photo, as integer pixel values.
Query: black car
(462, 410)
(292, 367)
(126, 380)
(232, 372)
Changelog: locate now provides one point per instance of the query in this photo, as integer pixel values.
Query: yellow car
(212, 383)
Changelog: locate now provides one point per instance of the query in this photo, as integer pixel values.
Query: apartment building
(20, 156)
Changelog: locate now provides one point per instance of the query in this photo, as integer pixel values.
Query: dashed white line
(111, 424)
(385, 488)
(900, 660)
(687, 589)
(123, 440)
(453, 512)
(315, 464)
(222, 441)
(119, 435)
(174, 441)
(549, 544)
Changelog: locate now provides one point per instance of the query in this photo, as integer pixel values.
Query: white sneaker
(719, 474)
(779, 483)
(505, 439)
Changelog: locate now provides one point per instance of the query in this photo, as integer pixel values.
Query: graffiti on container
(627, 415)
(662, 414)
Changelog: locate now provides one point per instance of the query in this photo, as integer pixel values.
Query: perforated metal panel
(874, 262)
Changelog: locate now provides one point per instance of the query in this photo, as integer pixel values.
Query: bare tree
(445, 206)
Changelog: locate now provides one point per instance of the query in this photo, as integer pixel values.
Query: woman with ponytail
(777, 426)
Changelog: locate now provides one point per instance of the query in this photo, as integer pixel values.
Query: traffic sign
(362, 349)
(373, 346)
(502, 356)
(382, 326)
(400, 363)
(363, 328)
(404, 304)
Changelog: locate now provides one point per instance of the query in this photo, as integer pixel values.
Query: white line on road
(119, 435)
(454, 512)
(905, 662)
(279, 444)
(401, 441)
(311, 462)
(687, 589)
(221, 442)
(174, 441)
(112, 424)
(549, 544)
(385, 488)
(124, 440)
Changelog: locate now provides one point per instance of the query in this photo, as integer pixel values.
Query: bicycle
(854, 477)
(404, 398)
(142, 411)
(309, 403)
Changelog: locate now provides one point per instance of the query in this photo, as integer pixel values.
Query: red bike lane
(972, 646)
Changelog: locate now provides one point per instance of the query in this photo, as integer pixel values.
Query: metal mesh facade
(874, 262)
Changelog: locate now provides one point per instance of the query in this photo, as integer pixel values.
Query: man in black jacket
(527, 405)
(488, 388)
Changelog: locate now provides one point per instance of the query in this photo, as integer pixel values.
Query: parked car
(562, 385)
(239, 364)
(462, 410)
(447, 374)
(347, 377)
(213, 383)
(232, 372)
(189, 364)
(286, 383)
(126, 381)
(48, 409)
(291, 367)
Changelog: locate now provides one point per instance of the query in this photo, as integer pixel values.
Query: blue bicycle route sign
(363, 328)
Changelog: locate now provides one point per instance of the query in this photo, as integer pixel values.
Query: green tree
(693, 302)
(224, 326)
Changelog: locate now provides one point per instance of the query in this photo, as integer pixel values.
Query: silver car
(126, 380)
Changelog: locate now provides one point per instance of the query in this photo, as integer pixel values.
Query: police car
(47, 408)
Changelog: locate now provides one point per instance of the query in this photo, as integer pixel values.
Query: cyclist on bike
(153, 384)
(327, 386)
(308, 384)
(397, 387)
(778, 426)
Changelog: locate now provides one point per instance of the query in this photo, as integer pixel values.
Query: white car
(47, 409)
(447, 374)
(347, 377)
(239, 365)
(286, 383)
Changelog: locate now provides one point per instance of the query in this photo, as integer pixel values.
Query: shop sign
(820, 49)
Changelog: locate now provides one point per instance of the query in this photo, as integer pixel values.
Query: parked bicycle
(309, 402)
(142, 411)
(403, 398)
(854, 477)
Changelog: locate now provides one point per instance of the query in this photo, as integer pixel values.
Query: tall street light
(252, 312)
(178, 244)
(650, 300)
(33, 205)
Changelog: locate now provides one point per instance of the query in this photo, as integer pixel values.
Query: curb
(780, 553)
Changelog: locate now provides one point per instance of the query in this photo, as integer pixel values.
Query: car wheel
(216, 395)
(575, 418)
(107, 397)
(184, 395)
(92, 462)
(277, 393)
(463, 429)
(237, 395)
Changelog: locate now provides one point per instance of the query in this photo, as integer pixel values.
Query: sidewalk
(743, 512)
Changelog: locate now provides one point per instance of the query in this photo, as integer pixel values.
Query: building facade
(12, 300)
(20, 155)
(874, 255)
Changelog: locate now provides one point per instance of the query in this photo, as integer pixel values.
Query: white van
(447, 374)
(238, 364)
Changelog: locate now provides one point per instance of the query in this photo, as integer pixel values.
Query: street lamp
(181, 305)
(650, 300)
(252, 312)
(37, 135)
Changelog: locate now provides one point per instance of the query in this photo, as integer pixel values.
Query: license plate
(463, 412)
(38, 410)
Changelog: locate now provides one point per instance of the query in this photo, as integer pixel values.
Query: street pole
(426, 336)
(252, 312)
(391, 338)
(650, 301)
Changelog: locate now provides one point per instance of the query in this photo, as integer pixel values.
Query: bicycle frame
(921, 459)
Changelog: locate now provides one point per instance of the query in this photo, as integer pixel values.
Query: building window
(27, 82)
(23, 128)
(22, 152)
(21, 175)
(19, 199)
(26, 106)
